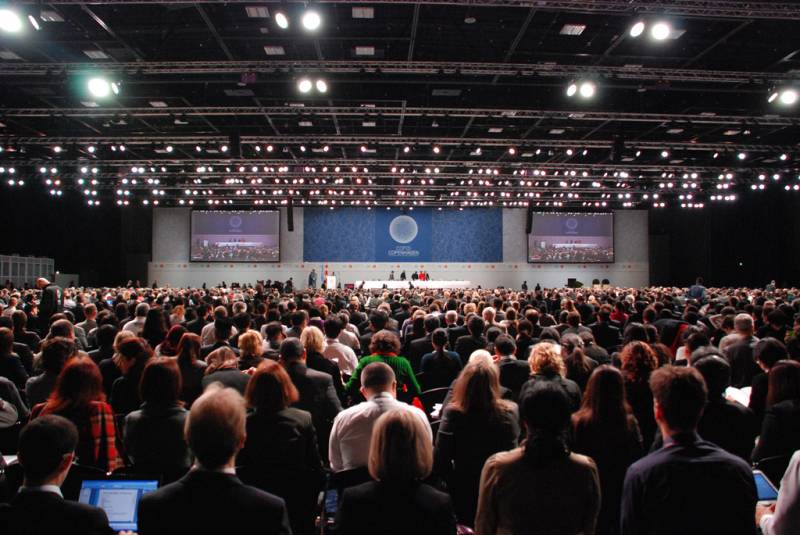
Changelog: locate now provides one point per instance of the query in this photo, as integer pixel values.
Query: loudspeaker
(290, 215)
(235, 145)
(529, 221)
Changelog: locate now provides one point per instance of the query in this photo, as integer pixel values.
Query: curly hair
(545, 359)
(638, 361)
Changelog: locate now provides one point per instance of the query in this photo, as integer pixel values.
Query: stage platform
(404, 285)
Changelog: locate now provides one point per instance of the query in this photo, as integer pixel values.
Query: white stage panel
(403, 285)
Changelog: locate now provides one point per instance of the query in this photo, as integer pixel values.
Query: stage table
(403, 285)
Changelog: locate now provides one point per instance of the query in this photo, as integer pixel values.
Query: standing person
(312, 279)
(391, 275)
(606, 430)
(403, 275)
(638, 362)
(662, 491)
(697, 291)
(51, 302)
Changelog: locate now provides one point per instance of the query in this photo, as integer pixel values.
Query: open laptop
(119, 498)
(767, 493)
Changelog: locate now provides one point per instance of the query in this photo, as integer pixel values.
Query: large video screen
(571, 238)
(235, 236)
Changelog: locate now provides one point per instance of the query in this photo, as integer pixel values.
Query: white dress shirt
(135, 325)
(349, 339)
(342, 355)
(352, 430)
(207, 334)
(786, 519)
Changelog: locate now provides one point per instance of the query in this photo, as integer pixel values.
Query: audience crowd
(554, 411)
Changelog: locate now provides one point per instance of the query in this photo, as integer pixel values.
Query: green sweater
(404, 374)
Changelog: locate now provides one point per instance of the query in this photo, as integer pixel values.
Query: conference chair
(431, 397)
(774, 467)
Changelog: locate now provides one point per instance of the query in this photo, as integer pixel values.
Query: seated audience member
(606, 430)
(280, 454)
(55, 353)
(111, 369)
(440, 367)
(10, 364)
(384, 347)
(352, 428)
(208, 335)
(314, 342)
(46, 451)
(134, 355)
(727, 424)
(21, 334)
(767, 353)
(397, 502)
(638, 361)
(154, 330)
(547, 367)
(223, 367)
(78, 397)
(104, 335)
(607, 335)
(513, 372)
(169, 347)
(579, 365)
(476, 424)
(422, 346)
(739, 352)
(780, 431)
(154, 440)
(540, 487)
(467, 344)
(222, 333)
(137, 323)
(273, 334)
(783, 517)
(337, 352)
(192, 368)
(251, 349)
(524, 339)
(11, 402)
(689, 486)
(316, 392)
(594, 351)
(210, 499)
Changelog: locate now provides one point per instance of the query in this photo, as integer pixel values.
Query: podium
(330, 282)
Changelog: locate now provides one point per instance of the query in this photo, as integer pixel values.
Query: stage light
(258, 148)
(512, 151)
(322, 86)
(224, 148)
(168, 148)
(660, 31)
(742, 156)
(311, 20)
(122, 148)
(587, 89)
(436, 150)
(34, 22)
(363, 148)
(304, 85)
(57, 149)
(572, 89)
(270, 148)
(326, 148)
(406, 149)
(10, 21)
(637, 29)
(788, 97)
(99, 87)
(281, 20)
(302, 148)
(665, 154)
(91, 149)
(784, 157)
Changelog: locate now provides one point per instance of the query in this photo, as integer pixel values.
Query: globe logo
(572, 223)
(403, 229)
(235, 221)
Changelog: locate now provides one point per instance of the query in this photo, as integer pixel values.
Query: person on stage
(312, 279)
(391, 275)
(415, 276)
(403, 275)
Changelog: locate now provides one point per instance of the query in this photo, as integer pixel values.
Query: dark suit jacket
(743, 364)
(395, 509)
(364, 341)
(416, 350)
(513, 374)
(780, 431)
(229, 377)
(454, 333)
(25, 355)
(211, 503)
(571, 388)
(317, 396)
(11, 368)
(196, 326)
(465, 345)
(606, 336)
(43, 513)
(691, 487)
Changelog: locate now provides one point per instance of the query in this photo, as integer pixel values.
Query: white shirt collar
(227, 470)
(382, 395)
(43, 488)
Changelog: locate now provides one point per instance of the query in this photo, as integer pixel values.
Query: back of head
(476, 326)
(378, 320)
(377, 377)
(431, 323)
(439, 337)
(546, 360)
(384, 343)
(716, 373)
(105, 335)
(55, 352)
(142, 309)
(784, 382)
(477, 389)
(79, 384)
(400, 448)
(250, 344)
(160, 384)
(313, 340)
(62, 327)
(768, 351)
(505, 345)
(6, 340)
(270, 389)
(292, 350)
(680, 394)
(222, 329)
(545, 409)
(215, 427)
(43, 444)
(333, 327)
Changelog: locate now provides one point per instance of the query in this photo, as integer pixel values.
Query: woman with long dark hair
(79, 397)
(638, 361)
(192, 368)
(169, 347)
(442, 366)
(606, 430)
(134, 354)
(780, 431)
(476, 424)
(154, 329)
(579, 366)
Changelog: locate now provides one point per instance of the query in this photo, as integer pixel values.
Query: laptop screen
(766, 490)
(118, 498)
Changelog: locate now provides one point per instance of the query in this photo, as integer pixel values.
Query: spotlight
(406, 149)
(258, 148)
(311, 20)
(587, 89)
(512, 151)
(99, 87)
(665, 154)
(436, 150)
(281, 20)
(57, 149)
(304, 85)
(270, 148)
(326, 148)
(363, 148)
(168, 148)
(742, 156)
(637, 29)
(224, 148)
(572, 89)
(10, 21)
(660, 31)
(302, 148)
(322, 86)
(34, 22)
(122, 148)
(788, 97)
(91, 149)
(784, 157)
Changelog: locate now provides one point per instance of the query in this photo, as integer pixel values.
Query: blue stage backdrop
(419, 235)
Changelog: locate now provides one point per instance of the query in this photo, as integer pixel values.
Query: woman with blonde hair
(547, 367)
(397, 501)
(314, 342)
(251, 349)
(476, 424)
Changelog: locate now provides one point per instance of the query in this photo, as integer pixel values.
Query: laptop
(119, 498)
(767, 493)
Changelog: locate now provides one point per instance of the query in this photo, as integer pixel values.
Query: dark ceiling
(686, 118)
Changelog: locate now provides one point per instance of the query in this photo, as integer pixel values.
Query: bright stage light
(572, 89)
(637, 29)
(281, 20)
(304, 85)
(99, 87)
(10, 21)
(788, 97)
(322, 86)
(587, 89)
(660, 31)
(311, 20)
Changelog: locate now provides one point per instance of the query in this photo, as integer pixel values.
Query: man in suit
(196, 325)
(317, 393)
(377, 322)
(46, 452)
(422, 346)
(689, 485)
(222, 335)
(513, 373)
(454, 330)
(605, 334)
(51, 302)
(215, 432)
(475, 340)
